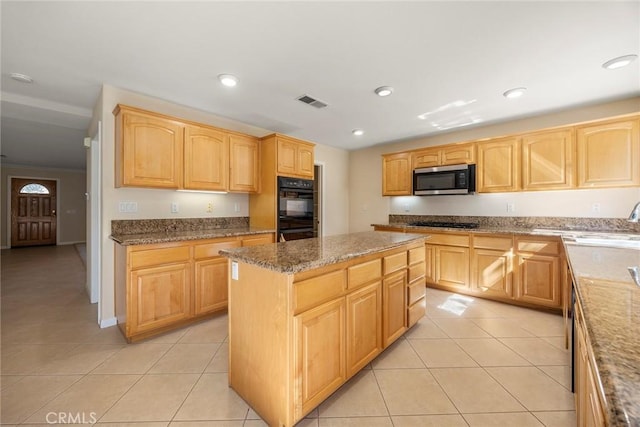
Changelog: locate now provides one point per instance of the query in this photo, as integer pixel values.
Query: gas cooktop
(444, 224)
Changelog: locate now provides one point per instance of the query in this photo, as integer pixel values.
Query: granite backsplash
(563, 223)
(141, 226)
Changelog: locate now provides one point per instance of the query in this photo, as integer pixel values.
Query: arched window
(34, 189)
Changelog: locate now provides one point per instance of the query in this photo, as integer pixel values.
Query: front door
(33, 212)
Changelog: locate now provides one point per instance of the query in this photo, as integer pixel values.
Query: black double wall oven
(295, 209)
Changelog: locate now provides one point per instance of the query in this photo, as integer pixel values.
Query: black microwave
(453, 179)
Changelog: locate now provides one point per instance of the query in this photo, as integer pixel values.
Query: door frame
(94, 219)
(321, 182)
(9, 210)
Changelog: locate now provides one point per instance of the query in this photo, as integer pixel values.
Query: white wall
(157, 203)
(367, 206)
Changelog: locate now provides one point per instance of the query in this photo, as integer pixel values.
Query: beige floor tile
(81, 360)
(429, 421)
(399, 355)
(520, 419)
(557, 418)
(7, 380)
(360, 396)
(255, 423)
(472, 390)
(537, 351)
(534, 389)
(305, 422)
(355, 422)
(561, 374)
(28, 358)
(544, 326)
(90, 397)
(502, 328)
(185, 358)
(425, 329)
(490, 352)
(224, 423)
(442, 353)
(153, 398)
(133, 359)
(220, 361)
(558, 342)
(111, 335)
(460, 328)
(404, 392)
(211, 331)
(168, 337)
(26, 396)
(136, 424)
(212, 399)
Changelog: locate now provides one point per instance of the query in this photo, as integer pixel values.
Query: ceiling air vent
(311, 101)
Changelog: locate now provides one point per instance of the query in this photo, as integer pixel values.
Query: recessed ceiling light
(228, 80)
(357, 132)
(22, 78)
(619, 62)
(384, 91)
(515, 92)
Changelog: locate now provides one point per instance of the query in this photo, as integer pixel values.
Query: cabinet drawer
(311, 292)
(210, 250)
(550, 247)
(416, 312)
(260, 239)
(149, 257)
(448, 239)
(416, 271)
(416, 255)
(491, 242)
(416, 291)
(363, 273)
(395, 262)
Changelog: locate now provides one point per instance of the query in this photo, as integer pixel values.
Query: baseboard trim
(71, 243)
(105, 323)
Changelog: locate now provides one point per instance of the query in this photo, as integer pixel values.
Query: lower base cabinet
(364, 335)
(160, 287)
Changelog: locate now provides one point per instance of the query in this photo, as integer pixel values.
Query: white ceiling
(432, 53)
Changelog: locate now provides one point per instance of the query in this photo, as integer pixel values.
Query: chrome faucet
(635, 213)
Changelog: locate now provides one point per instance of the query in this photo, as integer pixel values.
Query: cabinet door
(206, 159)
(210, 285)
(319, 353)
(149, 151)
(498, 166)
(287, 155)
(426, 158)
(396, 174)
(394, 295)
(159, 296)
(451, 266)
(304, 165)
(458, 154)
(609, 154)
(538, 279)
(244, 164)
(364, 326)
(547, 160)
(492, 272)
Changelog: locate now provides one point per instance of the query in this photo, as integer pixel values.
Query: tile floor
(470, 362)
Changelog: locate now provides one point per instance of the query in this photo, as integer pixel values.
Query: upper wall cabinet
(498, 165)
(149, 150)
(609, 154)
(156, 151)
(452, 154)
(396, 174)
(547, 160)
(295, 157)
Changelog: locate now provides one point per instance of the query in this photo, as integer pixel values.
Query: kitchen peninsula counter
(306, 315)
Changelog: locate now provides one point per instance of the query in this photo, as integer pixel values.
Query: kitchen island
(307, 315)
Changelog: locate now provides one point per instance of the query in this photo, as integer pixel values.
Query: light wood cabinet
(396, 174)
(244, 164)
(451, 154)
(364, 326)
(609, 154)
(394, 322)
(492, 265)
(450, 260)
(206, 159)
(295, 157)
(160, 287)
(548, 160)
(538, 272)
(149, 150)
(416, 289)
(498, 165)
(426, 158)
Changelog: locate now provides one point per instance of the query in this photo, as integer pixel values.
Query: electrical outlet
(595, 208)
(511, 207)
(174, 207)
(128, 207)
(236, 207)
(209, 207)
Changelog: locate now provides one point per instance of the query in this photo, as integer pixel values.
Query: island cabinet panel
(295, 338)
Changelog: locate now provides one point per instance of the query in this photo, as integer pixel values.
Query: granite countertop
(610, 301)
(306, 254)
(183, 235)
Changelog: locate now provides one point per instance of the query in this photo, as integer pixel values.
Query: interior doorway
(33, 212)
